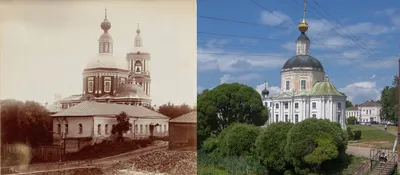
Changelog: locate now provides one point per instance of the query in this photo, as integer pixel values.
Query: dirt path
(381, 127)
(94, 162)
(358, 151)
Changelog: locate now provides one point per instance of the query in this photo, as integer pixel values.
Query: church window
(303, 84)
(58, 129)
(80, 128)
(286, 118)
(287, 85)
(314, 105)
(296, 105)
(106, 128)
(66, 128)
(147, 129)
(141, 129)
(286, 105)
(314, 115)
(165, 128)
(277, 105)
(277, 118)
(339, 105)
(122, 80)
(137, 128)
(90, 84)
(338, 118)
(107, 84)
(266, 103)
(296, 118)
(99, 129)
(106, 47)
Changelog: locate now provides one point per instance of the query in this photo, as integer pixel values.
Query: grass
(392, 128)
(372, 137)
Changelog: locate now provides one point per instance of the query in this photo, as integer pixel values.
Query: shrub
(357, 135)
(307, 140)
(238, 139)
(352, 120)
(350, 133)
(210, 145)
(270, 146)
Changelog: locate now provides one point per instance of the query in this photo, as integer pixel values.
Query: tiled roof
(353, 108)
(324, 88)
(190, 117)
(90, 108)
(370, 103)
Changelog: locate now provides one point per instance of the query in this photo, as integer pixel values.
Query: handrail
(387, 163)
(368, 165)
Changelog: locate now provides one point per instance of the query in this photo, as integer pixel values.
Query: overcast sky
(45, 45)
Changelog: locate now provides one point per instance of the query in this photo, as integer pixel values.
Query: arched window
(137, 128)
(147, 129)
(277, 105)
(138, 66)
(296, 118)
(99, 129)
(141, 129)
(107, 84)
(80, 128)
(165, 128)
(339, 105)
(287, 85)
(66, 128)
(303, 84)
(58, 128)
(106, 128)
(277, 118)
(314, 105)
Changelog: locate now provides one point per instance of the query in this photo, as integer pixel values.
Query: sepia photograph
(298, 87)
(98, 87)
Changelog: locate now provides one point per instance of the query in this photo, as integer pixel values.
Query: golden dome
(303, 26)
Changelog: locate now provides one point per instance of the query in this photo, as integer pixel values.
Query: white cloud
(392, 13)
(366, 28)
(228, 78)
(359, 92)
(273, 90)
(235, 61)
(372, 77)
(270, 19)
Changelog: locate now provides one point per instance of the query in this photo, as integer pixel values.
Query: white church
(305, 89)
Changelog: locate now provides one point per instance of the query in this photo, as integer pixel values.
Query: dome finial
(265, 92)
(138, 30)
(105, 25)
(303, 26)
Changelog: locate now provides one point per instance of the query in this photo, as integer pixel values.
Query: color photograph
(297, 87)
(98, 87)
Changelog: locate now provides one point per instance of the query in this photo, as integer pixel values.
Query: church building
(305, 89)
(107, 78)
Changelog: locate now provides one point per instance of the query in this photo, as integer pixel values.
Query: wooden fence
(42, 153)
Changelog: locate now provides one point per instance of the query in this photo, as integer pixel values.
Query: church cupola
(105, 41)
(303, 42)
(138, 38)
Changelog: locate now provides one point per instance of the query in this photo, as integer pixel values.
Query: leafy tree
(389, 101)
(237, 139)
(122, 126)
(270, 147)
(352, 120)
(173, 111)
(309, 138)
(30, 119)
(349, 104)
(227, 104)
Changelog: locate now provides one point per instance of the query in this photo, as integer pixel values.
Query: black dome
(265, 92)
(303, 61)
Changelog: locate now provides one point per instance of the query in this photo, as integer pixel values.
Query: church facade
(305, 89)
(107, 78)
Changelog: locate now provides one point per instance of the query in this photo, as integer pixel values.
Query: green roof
(324, 88)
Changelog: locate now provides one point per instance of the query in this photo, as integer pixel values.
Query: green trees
(349, 104)
(352, 120)
(227, 104)
(122, 126)
(389, 101)
(270, 146)
(173, 111)
(313, 143)
(27, 122)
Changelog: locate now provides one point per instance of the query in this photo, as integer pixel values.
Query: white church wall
(73, 126)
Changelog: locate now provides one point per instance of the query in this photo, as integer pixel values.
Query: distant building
(109, 79)
(183, 131)
(91, 122)
(368, 111)
(305, 89)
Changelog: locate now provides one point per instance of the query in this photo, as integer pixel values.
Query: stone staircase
(374, 167)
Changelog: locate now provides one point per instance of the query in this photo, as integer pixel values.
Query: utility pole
(398, 121)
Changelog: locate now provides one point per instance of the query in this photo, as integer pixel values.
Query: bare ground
(161, 162)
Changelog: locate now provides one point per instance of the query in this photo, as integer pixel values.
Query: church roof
(324, 88)
(107, 60)
(190, 117)
(370, 104)
(303, 61)
(130, 91)
(90, 108)
(303, 37)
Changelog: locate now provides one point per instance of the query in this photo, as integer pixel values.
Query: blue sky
(356, 41)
